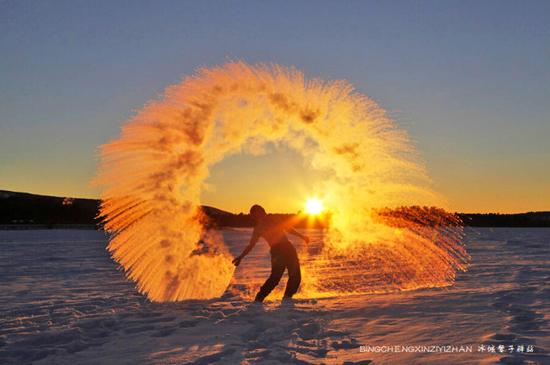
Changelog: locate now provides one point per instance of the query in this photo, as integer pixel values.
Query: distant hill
(28, 210)
(32, 209)
(530, 219)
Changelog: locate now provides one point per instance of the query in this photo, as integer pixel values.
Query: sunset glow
(314, 206)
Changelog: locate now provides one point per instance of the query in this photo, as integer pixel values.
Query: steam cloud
(153, 175)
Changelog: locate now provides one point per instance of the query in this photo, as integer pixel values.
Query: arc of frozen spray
(153, 175)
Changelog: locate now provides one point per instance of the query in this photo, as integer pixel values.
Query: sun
(314, 206)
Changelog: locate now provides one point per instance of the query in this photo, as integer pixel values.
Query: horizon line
(241, 212)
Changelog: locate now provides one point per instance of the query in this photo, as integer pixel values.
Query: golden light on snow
(314, 206)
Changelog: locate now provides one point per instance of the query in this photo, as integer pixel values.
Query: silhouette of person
(283, 253)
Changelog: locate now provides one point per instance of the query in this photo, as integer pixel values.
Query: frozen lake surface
(64, 302)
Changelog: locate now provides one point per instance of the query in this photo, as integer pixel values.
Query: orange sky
(280, 181)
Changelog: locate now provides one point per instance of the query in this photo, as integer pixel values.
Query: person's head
(257, 212)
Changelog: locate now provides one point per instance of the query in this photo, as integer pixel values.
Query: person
(283, 253)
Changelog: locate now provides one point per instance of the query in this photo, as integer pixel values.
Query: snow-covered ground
(63, 301)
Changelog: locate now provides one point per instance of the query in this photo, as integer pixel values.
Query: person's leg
(278, 267)
(294, 273)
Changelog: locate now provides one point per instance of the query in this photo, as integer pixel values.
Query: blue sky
(468, 80)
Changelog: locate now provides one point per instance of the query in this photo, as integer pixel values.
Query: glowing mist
(153, 176)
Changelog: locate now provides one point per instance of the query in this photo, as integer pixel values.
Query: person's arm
(253, 240)
(298, 234)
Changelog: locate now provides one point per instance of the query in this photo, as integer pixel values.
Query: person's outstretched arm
(255, 237)
(298, 234)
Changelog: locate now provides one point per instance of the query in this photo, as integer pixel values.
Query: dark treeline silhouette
(529, 219)
(433, 216)
(25, 210)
